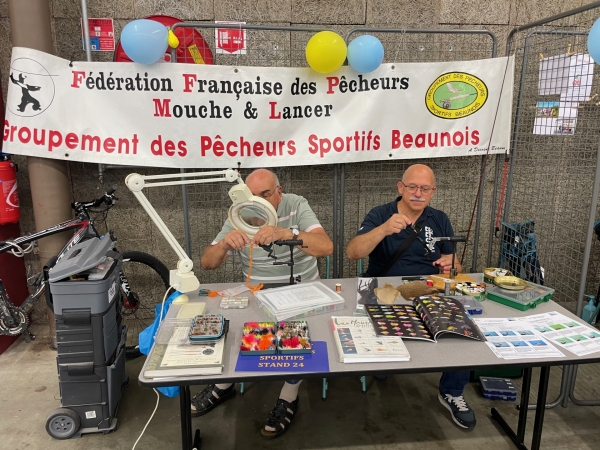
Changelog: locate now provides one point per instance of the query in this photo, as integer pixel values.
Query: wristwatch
(295, 232)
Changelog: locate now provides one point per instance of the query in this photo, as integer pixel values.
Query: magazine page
(365, 294)
(515, 338)
(446, 315)
(398, 320)
(373, 291)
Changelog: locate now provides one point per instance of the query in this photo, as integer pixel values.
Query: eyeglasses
(266, 195)
(412, 188)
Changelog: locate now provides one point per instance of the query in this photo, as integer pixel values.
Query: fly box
(207, 328)
(529, 297)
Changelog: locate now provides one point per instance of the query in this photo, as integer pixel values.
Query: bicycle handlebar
(108, 198)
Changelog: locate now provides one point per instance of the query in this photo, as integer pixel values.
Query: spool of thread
(338, 287)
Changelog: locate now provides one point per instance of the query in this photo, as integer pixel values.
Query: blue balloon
(593, 43)
(365, 53)
(145, 41)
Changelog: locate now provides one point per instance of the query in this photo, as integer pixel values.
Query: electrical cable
(151, 416)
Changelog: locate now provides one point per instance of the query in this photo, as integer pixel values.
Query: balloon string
(252, 288)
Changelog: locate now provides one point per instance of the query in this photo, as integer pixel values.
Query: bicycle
(147, 271)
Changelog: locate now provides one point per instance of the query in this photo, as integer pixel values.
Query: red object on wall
(9, 196)
(13, 275)
(192, 49)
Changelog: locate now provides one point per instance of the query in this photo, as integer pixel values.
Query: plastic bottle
(589, 309)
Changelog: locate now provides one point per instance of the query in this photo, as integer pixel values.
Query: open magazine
(430, 317)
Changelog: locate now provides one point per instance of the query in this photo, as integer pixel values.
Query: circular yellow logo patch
(455, 95)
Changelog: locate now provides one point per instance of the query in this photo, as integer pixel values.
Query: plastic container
(311, 312)
(498, 388)
(530, 297)
(207, 328)
(589, 309)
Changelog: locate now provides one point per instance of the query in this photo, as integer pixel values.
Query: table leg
(186, 417)
(519, 437)
(538, 423)
(525, 390)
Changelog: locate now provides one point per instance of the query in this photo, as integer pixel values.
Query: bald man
(295, 220)
(383, 232)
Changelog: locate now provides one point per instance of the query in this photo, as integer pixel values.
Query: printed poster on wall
(203, 116)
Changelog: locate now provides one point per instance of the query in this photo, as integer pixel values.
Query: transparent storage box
(530, 297)
(302, 315)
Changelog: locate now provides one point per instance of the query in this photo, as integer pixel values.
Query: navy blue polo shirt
(415, 260)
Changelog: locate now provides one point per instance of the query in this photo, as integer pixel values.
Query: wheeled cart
(83, 290)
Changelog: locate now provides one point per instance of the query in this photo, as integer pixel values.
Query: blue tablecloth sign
(317, 361)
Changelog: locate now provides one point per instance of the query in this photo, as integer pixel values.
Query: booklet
(430, 317)
(357, 342)
(178, 359)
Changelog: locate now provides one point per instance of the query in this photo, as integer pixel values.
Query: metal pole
(30, 26)
(341, 252)
(86, 31)
(336, 245)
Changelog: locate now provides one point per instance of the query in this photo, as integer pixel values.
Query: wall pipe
(30, 24)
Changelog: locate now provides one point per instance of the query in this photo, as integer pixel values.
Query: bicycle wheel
(148, 278)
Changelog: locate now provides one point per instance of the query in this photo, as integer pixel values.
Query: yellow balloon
(326, 52)
(172, 39)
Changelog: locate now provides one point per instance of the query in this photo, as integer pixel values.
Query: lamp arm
(183, 278)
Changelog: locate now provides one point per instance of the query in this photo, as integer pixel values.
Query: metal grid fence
(457, 178)
(364, 185)
(555, 141)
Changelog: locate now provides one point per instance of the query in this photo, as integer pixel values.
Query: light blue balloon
(365, 53)
(593, 43)
(145, 41)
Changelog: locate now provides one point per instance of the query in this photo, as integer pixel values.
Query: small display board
(102, 35)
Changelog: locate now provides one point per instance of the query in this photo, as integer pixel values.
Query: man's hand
(268, 234)
(445, 264)
(396, 224)
(235, 240)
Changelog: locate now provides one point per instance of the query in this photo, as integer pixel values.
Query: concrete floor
(401, 413)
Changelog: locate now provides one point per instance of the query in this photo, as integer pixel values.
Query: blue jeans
(454, 383)
(293, 381)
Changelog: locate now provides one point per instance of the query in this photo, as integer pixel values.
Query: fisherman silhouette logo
(31, 90)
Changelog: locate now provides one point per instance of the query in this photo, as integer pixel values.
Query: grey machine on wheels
(83, 291)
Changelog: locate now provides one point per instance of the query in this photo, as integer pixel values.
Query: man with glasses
(295, 220)
(381, 235)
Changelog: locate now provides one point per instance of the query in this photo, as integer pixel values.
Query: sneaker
(462, 415)
(279, 419)
(210, 397)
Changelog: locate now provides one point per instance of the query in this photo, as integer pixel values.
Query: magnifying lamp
(248, 214)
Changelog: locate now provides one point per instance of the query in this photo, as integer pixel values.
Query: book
(178, 359)
(357, 342)
(430, 317)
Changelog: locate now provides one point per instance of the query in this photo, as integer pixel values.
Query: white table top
(450, 353)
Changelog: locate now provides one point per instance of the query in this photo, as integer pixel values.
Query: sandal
(279, 419)
(210, 397)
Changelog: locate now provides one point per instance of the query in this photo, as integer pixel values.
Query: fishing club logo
(32, 88)
(455, 95)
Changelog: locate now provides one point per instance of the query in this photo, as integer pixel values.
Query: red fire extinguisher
(9, 196)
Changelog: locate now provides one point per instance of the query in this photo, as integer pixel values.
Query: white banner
(198, 116)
